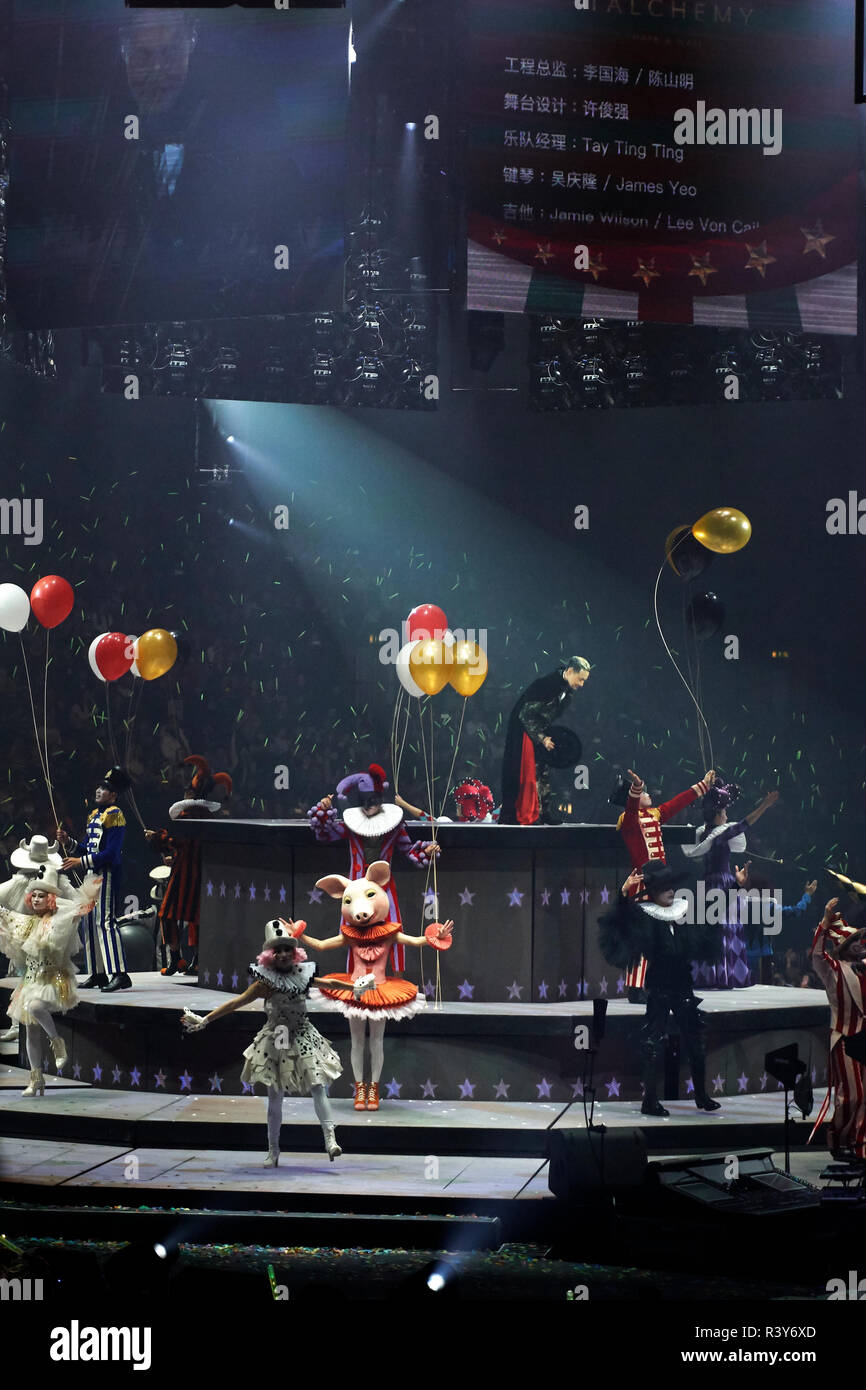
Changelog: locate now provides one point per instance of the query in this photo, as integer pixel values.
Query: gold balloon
(430, 665)
(157, 653)
(723, 530)
(470, 668)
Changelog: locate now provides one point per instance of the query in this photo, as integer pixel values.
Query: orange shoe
(373, 1096)
(360, 1095)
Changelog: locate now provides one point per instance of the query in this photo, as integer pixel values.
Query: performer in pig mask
(369, 934)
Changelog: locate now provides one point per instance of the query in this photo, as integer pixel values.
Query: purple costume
(714, 855)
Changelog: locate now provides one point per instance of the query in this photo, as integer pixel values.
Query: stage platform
(525, 902)
(465, 1053)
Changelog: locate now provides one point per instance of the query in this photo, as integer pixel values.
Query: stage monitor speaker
(747, 1183)
(586, 1161)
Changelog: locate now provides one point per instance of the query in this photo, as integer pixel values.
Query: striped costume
(329, 826)
(845, 991)
(101, 852)
(182, 898)
(641, 828)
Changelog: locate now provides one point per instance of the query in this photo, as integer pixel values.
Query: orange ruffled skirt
(393, 999)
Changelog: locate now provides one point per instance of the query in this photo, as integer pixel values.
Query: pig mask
(364, 900)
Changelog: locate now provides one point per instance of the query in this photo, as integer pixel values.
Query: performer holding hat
(27, 860)
(648, 920)
(641, 827)
(533, 745)
(42, 938)
(102, 850)
(288, 1055)
(839, 961)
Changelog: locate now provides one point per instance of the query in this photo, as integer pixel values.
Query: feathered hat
(363, 787)
(210, 790)
(720, 796)
(474, 799)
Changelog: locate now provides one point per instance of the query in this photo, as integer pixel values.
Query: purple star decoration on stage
(466, 990)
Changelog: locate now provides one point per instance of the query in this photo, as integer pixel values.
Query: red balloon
(426, 623)
(113, 655)
(51, 599)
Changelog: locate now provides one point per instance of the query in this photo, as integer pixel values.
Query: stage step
(70, 1112)
(264, 1226)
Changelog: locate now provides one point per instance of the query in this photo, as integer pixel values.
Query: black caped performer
(534, 743)
(653, 925)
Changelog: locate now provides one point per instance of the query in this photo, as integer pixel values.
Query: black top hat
(658, 877)
(566, 750)
(619, 795)
(116, 780)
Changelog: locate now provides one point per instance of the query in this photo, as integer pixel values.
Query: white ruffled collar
(371, 827)
(284, 981)
(675, 913)
(701, 847)
(180, 808)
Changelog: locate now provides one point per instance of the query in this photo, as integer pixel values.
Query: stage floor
(84, 1136)
(154, 991)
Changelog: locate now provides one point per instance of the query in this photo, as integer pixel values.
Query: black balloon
(705, 615)
(688, 557)
(184, 650)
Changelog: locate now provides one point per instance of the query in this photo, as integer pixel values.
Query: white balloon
(134, 667)
(91, 656)
(404, 675)
(14, 607)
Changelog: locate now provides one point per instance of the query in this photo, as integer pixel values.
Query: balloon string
(441, 810)
(45, 729)
(673, 662)
(130, 792)
(33, 713)
(693, 665)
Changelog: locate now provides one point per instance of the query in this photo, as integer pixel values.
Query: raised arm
(668, 809)
(769, 800)
(823, 964)
(417, 852)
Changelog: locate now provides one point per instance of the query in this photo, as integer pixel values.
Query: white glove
(362, 983)
(192, 1022)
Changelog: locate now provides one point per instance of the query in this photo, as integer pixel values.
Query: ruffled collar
(374, 932)
(701, 847)
(675, 913)
(190, 807)
(284, 981)
(371, 827)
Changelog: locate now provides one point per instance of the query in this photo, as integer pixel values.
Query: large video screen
(174, 164)
(686, 161)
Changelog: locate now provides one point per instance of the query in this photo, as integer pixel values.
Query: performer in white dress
(288, 1056)
(26, 862)
(43, 938)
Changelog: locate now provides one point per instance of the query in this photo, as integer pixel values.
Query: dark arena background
(432, 428)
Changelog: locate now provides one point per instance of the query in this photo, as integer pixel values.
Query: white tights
(357, 1028)
(42, 1022)
(275, 1112)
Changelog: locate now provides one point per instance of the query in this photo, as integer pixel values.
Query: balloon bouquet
(146, 658)
(50, 601)
(431, 658)
(689, 551)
